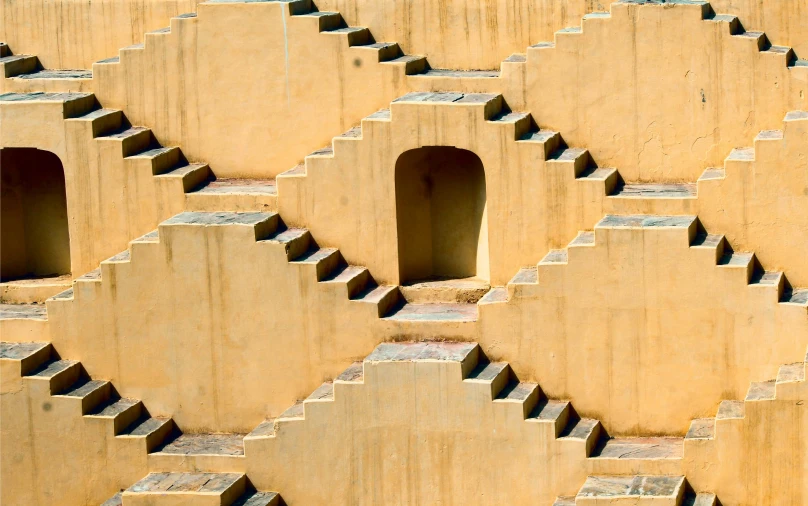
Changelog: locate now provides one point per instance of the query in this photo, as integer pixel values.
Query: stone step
(23, 312)
(642, 448)
(214, 489)
(655, 191)
(31, 356)
(14, 65)
(453, 291)
(663, 490)
(204, 444)
(237, 195)
(461, 313)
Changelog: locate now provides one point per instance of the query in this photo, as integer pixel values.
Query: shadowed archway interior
(441, 214)
(34, 237)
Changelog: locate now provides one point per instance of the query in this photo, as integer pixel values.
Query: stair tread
(549, 410)
(296, 411)
(257, 499)
(217, 218)
(487, 371)
(145, 426)
(632, 486)
(168, 483)
(20, 351)
(707, 240)
(599, 174)
(539, 136)
(23, 312)
(376, 294)
(730, 410)
(353, 374)
(656, 190)
(205, 444)
(567, 154)
(641, 448)
(555, 256)
(583, 239)
(57, 74)
(98, 113)
(154, 152)
(582, 429)
(406, 352)
(347, 273)
(113, 408)
(761, 391)
(495, 294)
(82, 389)
(794, 297)
(460, 73)
(43, 97)
(93, 274)
(323, 393)
(644, 221)
(742, 154)
(516, 391)
(791, 372)
(264, 429)
(314, 256)
(53, 368)
(713, 173)
(736, 259)
(238, 186)
(526, 275)
(127, 132)
(701, 428)
(435, 312)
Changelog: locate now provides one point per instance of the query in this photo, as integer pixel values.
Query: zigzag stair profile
(675, 198)
(788, 378)
(139, 147)
(744, 263)
(327, 23)
(301, 249)
(605, 186)
(159, 441)
(577, 445)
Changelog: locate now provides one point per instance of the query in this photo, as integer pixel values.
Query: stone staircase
(745, 265)
(577, 445)
(301, 250)
(66, 381)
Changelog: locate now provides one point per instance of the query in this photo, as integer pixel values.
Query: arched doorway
(441, 215)
(34, 238)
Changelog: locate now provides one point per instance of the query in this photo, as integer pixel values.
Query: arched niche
(34, 237)
(441, 215)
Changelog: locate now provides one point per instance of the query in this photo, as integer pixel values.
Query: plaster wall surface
(88, 30)
(662, 325)
(758, 454)
(211, 327)
(53, 454)
(463, 35)
(702, 96)
(201, 325)
(655, 105)
(453, 35)
(112, 197)
(279, 84)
